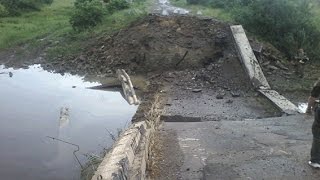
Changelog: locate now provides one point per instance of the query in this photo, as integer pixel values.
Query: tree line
(287, 24)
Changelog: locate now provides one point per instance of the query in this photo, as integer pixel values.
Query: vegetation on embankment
(17, 7)
(288, 24)
(51, 25)
(50, 20)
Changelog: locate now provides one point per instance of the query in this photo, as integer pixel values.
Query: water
(165, 8)
(30, 106)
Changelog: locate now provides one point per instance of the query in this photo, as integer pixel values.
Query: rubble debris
(220, 96)
(281, 66)
(256, 47)
(271, 67)
(266, 63)
(196, 90)
(229, 101)
(144, 46)
(235, 93)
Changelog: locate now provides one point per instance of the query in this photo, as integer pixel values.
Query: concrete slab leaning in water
(281, 102)
(127, 86)
(248, 58)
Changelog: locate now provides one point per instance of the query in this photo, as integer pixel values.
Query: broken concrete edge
(248, 59)
(129, 155)
(127, 87)
(281, 102)
(117, 162)
(255, 73)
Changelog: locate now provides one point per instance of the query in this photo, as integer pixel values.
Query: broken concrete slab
(281, 102)
(248, 58)
(127, 86)
(255, 73)
(196, 90)
(235, 94)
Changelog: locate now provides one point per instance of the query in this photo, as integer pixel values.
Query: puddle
(164, 8)
(31, 102)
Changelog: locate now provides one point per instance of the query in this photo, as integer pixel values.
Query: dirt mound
(155, 43)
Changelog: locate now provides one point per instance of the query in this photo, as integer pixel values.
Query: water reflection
(31, 102)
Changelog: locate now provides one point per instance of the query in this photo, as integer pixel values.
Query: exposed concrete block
(248, 58)
(281, 102)
(255, 73)
(138, 171)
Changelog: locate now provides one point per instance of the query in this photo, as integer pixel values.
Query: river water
(31, 101)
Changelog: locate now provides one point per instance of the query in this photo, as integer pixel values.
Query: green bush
(16, 7)
(79, 3)
(88, 14)
(47, 1)
(285, 23)
(3, 11)
(116, 5)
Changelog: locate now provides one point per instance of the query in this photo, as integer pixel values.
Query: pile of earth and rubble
(160, 43)
(156, 44)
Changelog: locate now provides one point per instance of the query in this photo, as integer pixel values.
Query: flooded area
(36, 104)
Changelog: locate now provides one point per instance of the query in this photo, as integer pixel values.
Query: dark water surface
(30, 103)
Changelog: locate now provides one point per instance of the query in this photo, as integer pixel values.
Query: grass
(316, 12)
(72, 42)
(50, 28)
(51, 20)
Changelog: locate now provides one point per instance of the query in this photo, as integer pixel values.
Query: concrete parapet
(129, 155)
(117, 163)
